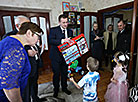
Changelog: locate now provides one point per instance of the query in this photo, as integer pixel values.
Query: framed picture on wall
(73, 8)
(65, 6)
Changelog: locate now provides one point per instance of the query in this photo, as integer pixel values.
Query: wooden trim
(12, 20)
(2, 29)
(82, 14)
(45, 55)
(100, 12)
(126, 5)
(26, 13)
(11, 8)
(90, 33)
(132, 41)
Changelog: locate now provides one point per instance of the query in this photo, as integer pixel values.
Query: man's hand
(32, 53)
(67, 40)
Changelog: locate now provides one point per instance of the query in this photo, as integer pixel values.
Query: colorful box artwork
(73, 8)
(65, 6)
(76, 48)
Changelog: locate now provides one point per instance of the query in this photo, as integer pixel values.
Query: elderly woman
(97, 45)
(14, 62)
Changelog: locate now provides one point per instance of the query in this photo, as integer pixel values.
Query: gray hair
(17, 18)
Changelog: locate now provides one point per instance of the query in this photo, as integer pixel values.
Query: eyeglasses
(39, 36)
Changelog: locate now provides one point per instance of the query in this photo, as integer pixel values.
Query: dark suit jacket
(55, 37)
(123, 41)
(34, 63)
(14, 32)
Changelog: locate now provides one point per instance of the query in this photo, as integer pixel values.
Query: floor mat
(46, 91)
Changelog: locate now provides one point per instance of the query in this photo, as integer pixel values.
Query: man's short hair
(62, 16)
(95, 23)
(124, 22)
(29, 26)
(92, 63)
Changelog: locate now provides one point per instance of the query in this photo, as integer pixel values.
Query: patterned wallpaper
(55, 6)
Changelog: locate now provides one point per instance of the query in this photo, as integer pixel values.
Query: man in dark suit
(32, 86)
(57, 36)
(123, 37)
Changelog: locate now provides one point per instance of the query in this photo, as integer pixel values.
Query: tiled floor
(46, 76)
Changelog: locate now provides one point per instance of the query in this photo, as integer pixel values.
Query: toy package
(75, 49)
(73, 67)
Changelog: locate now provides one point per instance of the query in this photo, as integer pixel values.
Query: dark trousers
(31, 89)
(34, 88)
(59, 69)
(108, 58)
(26, 93)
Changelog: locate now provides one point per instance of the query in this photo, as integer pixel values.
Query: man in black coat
(32, 85)
(57, 36)
(123, 38)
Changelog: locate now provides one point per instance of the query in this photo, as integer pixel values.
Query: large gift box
(74, 49)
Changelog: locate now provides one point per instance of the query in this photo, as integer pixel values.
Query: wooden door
(112, 19)
(86, 21)
(41, 18)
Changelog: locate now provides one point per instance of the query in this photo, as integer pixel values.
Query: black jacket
(55, 37)
(123, 41)
(14, 32)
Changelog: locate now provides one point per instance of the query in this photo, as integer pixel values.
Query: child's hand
(71, 79)
(114, 81)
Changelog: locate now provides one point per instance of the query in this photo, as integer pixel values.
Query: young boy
(89, 81)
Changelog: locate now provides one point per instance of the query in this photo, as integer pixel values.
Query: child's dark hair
(124, 61)
(92, 63)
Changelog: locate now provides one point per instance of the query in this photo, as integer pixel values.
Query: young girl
(117, 90)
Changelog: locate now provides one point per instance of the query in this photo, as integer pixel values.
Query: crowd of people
(19, 61)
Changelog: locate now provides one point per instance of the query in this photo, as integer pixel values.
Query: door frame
(133, 43)
(82, 14)
(29, 13)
